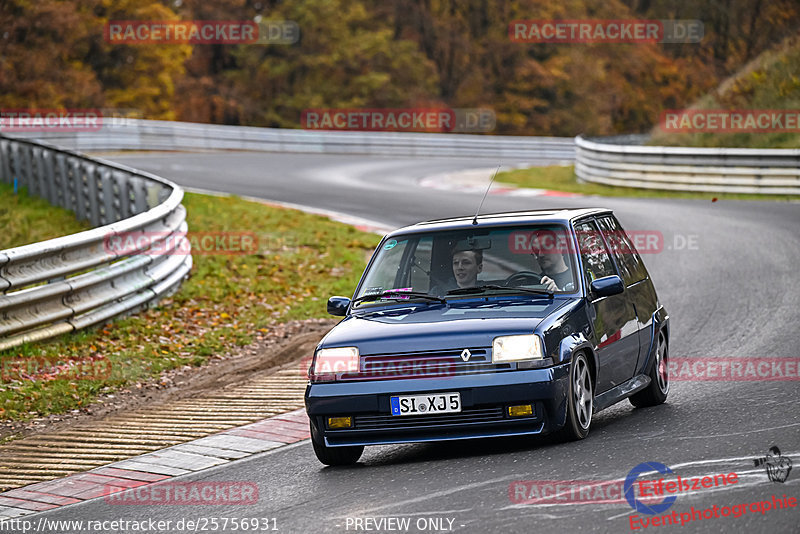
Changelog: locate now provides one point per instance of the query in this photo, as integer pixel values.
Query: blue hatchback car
(499, 325)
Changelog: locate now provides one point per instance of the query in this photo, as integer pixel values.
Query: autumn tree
(345, 57)
(53, 55)
(379, 53)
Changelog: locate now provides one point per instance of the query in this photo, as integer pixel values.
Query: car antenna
(475, 219)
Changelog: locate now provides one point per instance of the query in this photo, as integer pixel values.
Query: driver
(551, 260)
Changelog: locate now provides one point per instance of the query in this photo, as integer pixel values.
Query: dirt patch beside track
(282, 344)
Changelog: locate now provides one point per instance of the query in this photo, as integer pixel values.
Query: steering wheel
(516, 278)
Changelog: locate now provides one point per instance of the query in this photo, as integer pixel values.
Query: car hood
(425, 327)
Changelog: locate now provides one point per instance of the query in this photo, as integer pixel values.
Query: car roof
(562, 215)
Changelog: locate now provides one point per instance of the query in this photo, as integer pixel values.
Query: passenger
(466, 266)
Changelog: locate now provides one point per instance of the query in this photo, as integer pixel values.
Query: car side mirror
(607, 286)
(338, 306)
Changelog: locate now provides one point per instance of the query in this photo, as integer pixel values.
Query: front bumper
(484, 401)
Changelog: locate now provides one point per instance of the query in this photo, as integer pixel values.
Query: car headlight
(329, 362)
(516, 348)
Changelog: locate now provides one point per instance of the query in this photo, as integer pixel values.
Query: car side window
(596, 261)
(628, 260)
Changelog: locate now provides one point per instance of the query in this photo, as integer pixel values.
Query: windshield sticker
(373, 290)
(400, 289)
(390, 244)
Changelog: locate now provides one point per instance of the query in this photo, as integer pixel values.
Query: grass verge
(768, 82)
(562, 178)
(229, 301)
(25, 219)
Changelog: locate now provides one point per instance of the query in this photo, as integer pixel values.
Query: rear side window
(630, 263)
(596, 261)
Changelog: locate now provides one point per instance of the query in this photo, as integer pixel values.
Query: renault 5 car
(506, 324)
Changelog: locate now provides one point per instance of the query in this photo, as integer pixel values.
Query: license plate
(432, 403)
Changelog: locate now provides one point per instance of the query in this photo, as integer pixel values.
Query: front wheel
(580, 400)
(334, 455)
(656, 392)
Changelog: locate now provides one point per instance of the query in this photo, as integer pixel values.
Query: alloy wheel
(582, 391)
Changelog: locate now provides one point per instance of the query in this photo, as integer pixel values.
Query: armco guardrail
(72, 282)
(136, 134)
(723, 170)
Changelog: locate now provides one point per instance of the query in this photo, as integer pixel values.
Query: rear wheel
(334, 455)
(580, 400)
(656, 392)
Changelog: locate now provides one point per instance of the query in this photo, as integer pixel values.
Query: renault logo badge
(466, 355)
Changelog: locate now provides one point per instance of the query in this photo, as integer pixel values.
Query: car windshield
(489, 260)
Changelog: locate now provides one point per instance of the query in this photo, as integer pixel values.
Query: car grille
(388, 422)
(427, 364)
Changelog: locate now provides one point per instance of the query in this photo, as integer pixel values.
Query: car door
(615, 330)
(638, 286)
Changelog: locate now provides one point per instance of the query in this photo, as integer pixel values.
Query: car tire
(580, 400)
(658, 389)
(334, 455)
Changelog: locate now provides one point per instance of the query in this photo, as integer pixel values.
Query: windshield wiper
(481, 289)
(398, 295)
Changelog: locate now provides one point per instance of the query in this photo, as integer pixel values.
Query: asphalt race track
(728, 275)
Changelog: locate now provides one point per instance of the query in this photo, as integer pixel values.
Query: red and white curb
(476, 181)
(186, 458)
